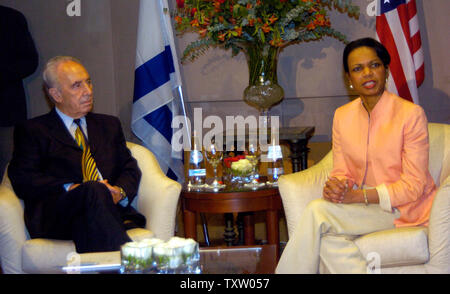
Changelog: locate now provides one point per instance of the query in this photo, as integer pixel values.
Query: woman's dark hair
(381, 51)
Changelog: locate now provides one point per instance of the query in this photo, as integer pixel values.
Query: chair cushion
(439, 229)
(397, 247)
(47, 255)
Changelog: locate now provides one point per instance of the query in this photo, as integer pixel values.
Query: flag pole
(187, 125)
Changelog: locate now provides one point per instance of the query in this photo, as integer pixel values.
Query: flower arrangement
(137, 256)
(237, 23)
(238, 165)
(227, 161)
(178, 255)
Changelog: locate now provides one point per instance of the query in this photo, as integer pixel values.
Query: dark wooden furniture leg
(190, 225)
(272, 228)
(230, 234)
(249, 228)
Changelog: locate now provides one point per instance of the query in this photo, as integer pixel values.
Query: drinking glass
(252, 154)
(214, 157)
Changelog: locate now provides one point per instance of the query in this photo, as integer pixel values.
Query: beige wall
(435, 90)
(104, 38)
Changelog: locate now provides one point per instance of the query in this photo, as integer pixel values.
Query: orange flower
(221, 19)
(216, 5)
(276, 42)
(311, 26)
(178, 19)
(320, 20)
(238, 31)
(202, 32)
(266, 28)
(206, 21)
(194, 23)
(272, 19)
(251, 22)
(221, 37)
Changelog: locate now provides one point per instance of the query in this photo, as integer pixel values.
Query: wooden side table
(266, 199)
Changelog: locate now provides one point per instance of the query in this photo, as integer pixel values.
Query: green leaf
(197, 48)
(261, 36)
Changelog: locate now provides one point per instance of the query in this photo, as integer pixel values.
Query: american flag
(398, 30)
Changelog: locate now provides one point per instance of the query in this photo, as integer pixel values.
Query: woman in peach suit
(380, 178)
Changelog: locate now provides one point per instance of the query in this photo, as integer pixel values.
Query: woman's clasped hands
(338, 191)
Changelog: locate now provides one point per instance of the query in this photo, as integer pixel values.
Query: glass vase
(263, 90)
(236, 177)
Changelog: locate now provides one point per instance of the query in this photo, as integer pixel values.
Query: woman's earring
(351, 86)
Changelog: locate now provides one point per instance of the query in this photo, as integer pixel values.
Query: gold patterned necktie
(88, 166)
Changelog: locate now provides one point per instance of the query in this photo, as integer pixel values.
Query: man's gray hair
(49, 74)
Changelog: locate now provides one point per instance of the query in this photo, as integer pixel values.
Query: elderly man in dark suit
(72, 167)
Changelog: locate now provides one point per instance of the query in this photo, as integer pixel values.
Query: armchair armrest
(13, 233)
(157, 195)
(439, 229)
(300, 188)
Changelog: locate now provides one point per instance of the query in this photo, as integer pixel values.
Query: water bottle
(197, 171)
(275, 167)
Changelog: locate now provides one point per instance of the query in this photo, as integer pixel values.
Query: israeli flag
(156, 78)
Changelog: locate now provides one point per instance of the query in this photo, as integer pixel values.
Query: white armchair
(401, 250)
(157, 200)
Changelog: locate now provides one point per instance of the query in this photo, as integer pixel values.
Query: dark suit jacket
(18, 59)
(46, 157)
